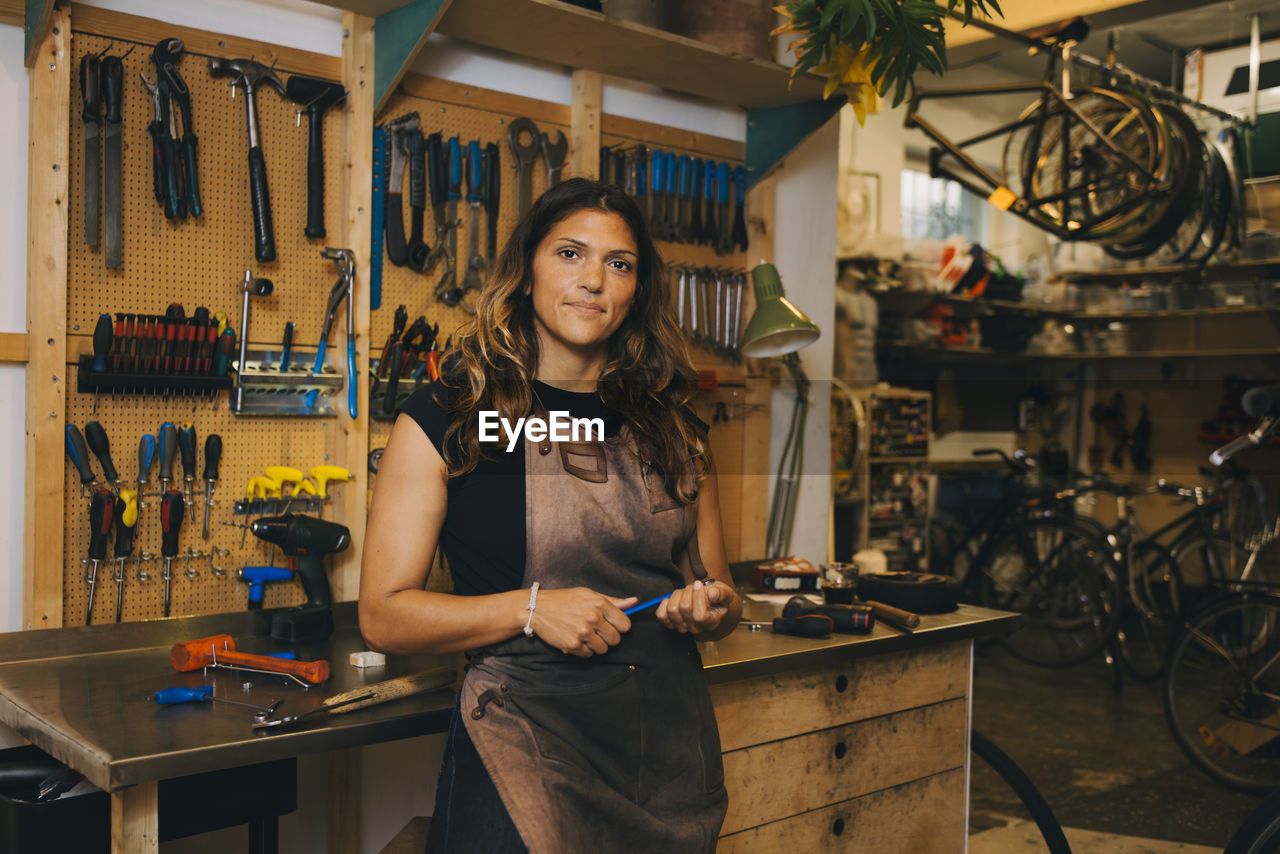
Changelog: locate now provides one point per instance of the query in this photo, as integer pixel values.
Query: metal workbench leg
(135, 823)
(264, 835)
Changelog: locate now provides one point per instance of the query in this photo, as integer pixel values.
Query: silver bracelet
(533, 603)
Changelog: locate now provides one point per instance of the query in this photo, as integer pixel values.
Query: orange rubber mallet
(221, 649)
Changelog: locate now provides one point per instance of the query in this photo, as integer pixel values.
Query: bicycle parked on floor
(1222, 680)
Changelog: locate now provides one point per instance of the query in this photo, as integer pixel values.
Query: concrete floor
(1105, 762)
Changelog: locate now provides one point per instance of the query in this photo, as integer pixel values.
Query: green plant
(870, 47)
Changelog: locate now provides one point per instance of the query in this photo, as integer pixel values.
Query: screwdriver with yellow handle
(126, 519)
(372, 695)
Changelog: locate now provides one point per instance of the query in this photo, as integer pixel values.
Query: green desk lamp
(778, 328)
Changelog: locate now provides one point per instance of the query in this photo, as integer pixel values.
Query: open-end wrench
(684, 193)
(710, 231)
(657, 183)
(724, 240)
(681, 301)
(735, 326)
(524, 153)
(474, 278)
(553, 155)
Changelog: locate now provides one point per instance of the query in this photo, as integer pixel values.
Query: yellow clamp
(259, 487)
(324, 474)
(279, 476)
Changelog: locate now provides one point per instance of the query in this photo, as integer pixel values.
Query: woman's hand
(579, 621)
(699, 608)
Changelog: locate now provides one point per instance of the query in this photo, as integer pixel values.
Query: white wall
(399, 780)
(13, 317)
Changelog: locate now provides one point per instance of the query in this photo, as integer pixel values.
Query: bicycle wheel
(1090, 167)
(1260, 831)
(1222, 691)
(1147, 625)
(1204, 564)
(1063, 582)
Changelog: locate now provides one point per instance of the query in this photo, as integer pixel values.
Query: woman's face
(584, 280)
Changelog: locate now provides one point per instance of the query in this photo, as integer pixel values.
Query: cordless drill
(306, 541)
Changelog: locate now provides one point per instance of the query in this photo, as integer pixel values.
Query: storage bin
(1234, 294)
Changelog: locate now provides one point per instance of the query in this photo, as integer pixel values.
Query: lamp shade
(777, 327)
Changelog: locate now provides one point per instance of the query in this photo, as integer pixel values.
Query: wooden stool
(412, 838)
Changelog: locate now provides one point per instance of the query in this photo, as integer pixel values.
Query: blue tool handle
(455, 170)
(672, 180)
(353, 381)
(287, 346)
(173, 696)
(709, 181)
(722, 179)
(686, 175)
(319, 366)
(739, 185)
(168, 448)
(635, 609)
(146, 456)
(79, 453)
(475, 173)
(286, 655)
(641, 171)
(655, 170)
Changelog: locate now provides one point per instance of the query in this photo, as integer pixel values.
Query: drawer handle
(838, 827)
(841, 750)
(842, 684)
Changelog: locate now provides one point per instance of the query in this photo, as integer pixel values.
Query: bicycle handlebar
(1020, 463)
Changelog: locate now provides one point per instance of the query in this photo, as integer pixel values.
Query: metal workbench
(83, 695)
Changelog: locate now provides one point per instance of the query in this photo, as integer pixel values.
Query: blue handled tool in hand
(635, 609)
(204, 694)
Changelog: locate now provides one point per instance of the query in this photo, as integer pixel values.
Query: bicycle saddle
(1071, 30)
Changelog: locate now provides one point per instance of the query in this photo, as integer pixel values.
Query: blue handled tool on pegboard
(380, 140)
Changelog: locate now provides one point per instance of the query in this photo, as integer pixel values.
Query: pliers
(345, 261)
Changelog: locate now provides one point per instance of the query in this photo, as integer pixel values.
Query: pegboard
(470, 113)
(197, 262)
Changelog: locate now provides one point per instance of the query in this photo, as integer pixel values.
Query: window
(939, 208)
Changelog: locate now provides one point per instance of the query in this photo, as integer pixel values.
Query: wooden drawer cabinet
(872, 748)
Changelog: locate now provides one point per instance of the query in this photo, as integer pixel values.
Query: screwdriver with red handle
(172, 510)
(101, 515)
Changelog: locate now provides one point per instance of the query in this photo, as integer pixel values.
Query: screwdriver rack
(266, 390)
(304, 504)
(89, 381)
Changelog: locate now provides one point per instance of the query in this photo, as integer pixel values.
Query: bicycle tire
(1153, 604)
(1017, 779)
(1259, 833)
(1204, 570)
(1061, 579)
(1222, 691)
(1031, 156)
(1186, 168)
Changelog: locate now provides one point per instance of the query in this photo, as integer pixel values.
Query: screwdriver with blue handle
(79, 456)
(204, 694)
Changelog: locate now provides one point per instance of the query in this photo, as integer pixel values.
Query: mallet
(221, 649)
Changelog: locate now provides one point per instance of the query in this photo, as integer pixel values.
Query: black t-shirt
(484, 530)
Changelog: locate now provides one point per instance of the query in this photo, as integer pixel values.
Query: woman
(578, 727)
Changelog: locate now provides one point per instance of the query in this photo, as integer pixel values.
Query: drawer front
(772, 781)
(921, 817)
(754, 711)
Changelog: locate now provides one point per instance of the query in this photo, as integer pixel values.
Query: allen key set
(709, 308)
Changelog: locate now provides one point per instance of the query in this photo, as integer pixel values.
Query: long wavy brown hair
(648, 377)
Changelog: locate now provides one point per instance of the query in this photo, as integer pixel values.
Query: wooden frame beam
(584, 124)
(48, 156)
(13, 347)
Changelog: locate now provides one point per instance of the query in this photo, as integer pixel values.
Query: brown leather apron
(619, 751)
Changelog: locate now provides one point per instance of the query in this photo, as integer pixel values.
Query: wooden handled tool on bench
(221, 649)
(373, 695)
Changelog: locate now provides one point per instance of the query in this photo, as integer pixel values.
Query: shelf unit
(891, 508)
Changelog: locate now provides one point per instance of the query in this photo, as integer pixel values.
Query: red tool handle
(194, 655)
